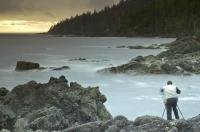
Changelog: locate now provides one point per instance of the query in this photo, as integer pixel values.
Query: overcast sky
(25, 12)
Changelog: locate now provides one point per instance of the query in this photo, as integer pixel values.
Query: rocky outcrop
(24, 65)
(141, 124)
(122, 124)
(55, 105)
(181, 58)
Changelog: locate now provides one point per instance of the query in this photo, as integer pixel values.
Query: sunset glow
(23, 26)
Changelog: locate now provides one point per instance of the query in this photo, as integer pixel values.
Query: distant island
(166, 18)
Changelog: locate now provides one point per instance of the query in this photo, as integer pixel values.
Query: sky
(34, 16)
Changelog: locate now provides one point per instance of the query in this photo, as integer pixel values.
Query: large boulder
(55, 105)
(24, 65)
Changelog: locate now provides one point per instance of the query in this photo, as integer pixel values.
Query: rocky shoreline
(182, 57)
(62, 107)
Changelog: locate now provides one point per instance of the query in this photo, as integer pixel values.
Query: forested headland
(169, 18)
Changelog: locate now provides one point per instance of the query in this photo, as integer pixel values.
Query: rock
(147, 119)
(141, 124)
(120, 121)
(78, 59)
(88, 127)
(144, 47)
(182, 45)
(60, 68)
(154, 69)
(112, 128)
(168, 68)
(122, 46)
(7, 118)
(23, 65)
(138, 59)
(3, 92)
(55, 105)
(47, 119)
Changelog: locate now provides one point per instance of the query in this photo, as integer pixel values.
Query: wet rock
(88, 127)
(3, 92)
(24, 65)
(47, 119)
(7, 118)
(138, 59)
(78, 59)
(144, 47)
(55, 105)
(112, 128)
(121, 46)
(141, 124)
(60, 68)
(169, 68)
(120, 121)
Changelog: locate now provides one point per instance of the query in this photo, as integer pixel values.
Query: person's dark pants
(172, 104)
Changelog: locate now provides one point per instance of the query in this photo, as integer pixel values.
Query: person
(170, 97)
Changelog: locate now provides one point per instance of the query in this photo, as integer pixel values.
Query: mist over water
(128, 95)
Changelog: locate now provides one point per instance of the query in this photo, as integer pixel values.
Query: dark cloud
(48, 9)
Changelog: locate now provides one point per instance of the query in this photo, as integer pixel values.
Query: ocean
(128, 95)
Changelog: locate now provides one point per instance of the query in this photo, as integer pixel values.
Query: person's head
(169, 83)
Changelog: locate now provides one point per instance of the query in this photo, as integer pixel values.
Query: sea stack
(24, 65)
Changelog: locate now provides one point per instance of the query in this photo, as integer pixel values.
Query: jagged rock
(7, 118)
(24, 65)
(141, 124)
(55, 105)
(169, 68)
(88, 127)
(47, 119)
(3, 92)
(138, 59)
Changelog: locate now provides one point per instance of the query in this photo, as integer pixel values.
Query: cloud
(99, 4)
(50, 9)
(39, 15)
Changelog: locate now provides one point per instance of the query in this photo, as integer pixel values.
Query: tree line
(136, 18)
